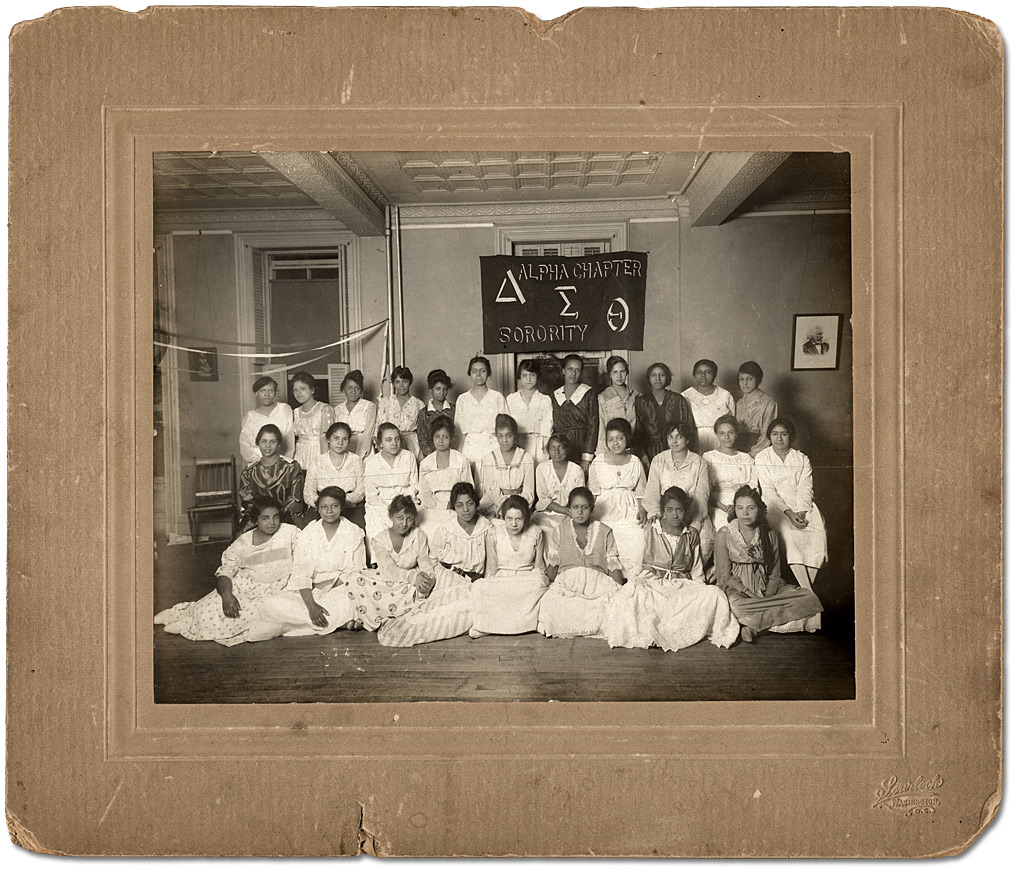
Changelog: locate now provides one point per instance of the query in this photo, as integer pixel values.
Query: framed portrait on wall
(816, 341)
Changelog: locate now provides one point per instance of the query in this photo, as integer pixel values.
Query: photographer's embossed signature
(909, 797)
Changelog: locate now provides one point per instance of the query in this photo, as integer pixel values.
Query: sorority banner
(552, 303)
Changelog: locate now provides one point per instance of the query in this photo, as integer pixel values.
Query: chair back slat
(215, 480)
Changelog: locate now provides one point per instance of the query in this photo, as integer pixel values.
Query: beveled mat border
(873, 724)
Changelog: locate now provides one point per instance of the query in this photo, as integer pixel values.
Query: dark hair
(259, 503)
(746, 491)
(460, 490)
(304, 377)
(517, 502)
(339, 426)
(263, 381)
(480, 359)
(334, 492)
(726, 419)
(402, 502)
(581, 492)
(441, 423)
(613, 360)
(438, 376)
(269, 429)
(707, 362)
(621, 425)
(385, 426)
(571, 357)
(528, 365)
(751, 368)
(505, 421)
(661, 366)
(355, 376)
(401, 372)
(786, 423)
(562, 439)
(685, 429)
(675, 493)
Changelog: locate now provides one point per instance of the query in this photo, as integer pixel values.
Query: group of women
(576, 514)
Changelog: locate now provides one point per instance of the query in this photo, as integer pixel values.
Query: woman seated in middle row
(505, 471)
(273, 476)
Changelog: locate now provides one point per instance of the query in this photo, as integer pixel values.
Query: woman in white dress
(680, 467)
(475, 416)
(708, 402)
(787, 487)
(315, 600)
(617, 401)
(728, 470)
(439, 472)
(338, 466)
(268, 411)
(506, 599)
(459, 551)
(255, 566)
(509, 470)
(668, 603)
(311, 419)
(357, 412)
(390, 472)
(532, 410)
(617, 480)
(402, 409)
(555, 479)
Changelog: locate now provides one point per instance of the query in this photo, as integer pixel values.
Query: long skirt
(575, 604)
(618, 508)
(670, 613)
(204, 619)
(376, 599)
(791, 609)
(285, 614)
(806, 546)
(445, 613)
(508, 602)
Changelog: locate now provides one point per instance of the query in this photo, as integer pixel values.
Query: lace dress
(506, 600)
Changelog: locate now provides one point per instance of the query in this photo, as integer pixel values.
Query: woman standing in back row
(475, 416)
(659, 412)
(576, 413)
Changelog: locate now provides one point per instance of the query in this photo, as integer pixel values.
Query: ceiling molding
(165, 221)
(726, 180)
(538, 208)
(319, 176)
(353, 169)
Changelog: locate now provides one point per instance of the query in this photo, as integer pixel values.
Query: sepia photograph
(502, 426)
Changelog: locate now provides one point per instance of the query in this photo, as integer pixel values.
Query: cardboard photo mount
(910, 767)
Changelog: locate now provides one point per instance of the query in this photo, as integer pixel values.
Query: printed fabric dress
(759, 597)
(282, 415)
(476, 424)
(619, 490)
(255, 573)
(656, 420)
(577, 418)
(753, 417)
(611, 406)
(788, 484)
(534, 422)
(517, 477)
(361, 421)
(550, 489)
(726, 474)
(309, 432)
(321, 564)
(383, 482)
(506, 600)
(668, 603)
(691, 475)
(405, 418)
(446, 613)
(282, 480)
(434, 487)
(576, 601)
(706, 409)
(387, 592)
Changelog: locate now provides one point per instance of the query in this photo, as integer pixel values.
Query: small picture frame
(203, 365)
(817, 338)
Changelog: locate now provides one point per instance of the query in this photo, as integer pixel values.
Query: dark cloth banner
(551, 303)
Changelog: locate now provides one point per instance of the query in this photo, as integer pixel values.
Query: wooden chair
(215, 494)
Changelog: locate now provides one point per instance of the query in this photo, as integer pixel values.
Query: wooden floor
(350, 666)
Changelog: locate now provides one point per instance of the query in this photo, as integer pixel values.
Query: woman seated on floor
(587, 573)
(668, 603)
(253, 567)
(747, 570)
(458, 548)
(316, 600)
(506, 599)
